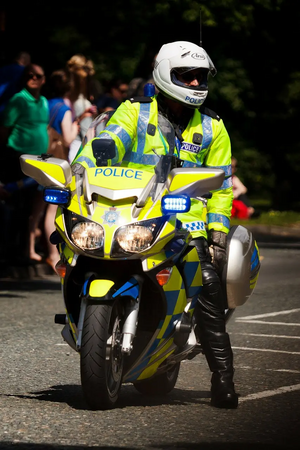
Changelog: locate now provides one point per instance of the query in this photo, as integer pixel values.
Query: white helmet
(178, 58)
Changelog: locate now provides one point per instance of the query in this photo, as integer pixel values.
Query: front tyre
(161, 384)
(101, 359)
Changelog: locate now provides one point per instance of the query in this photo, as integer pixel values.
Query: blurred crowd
(40, 113)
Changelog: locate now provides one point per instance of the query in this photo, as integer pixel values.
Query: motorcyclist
(180, 74)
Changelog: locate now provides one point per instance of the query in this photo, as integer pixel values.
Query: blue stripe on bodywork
(254, 259)
(84, 288)
(130, 288)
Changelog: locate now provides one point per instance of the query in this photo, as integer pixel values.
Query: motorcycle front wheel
(101, 359)
(161, 384)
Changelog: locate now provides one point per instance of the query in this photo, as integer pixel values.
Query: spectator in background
(10, 78)
(62, 122)
(24, 130)
(136, 85)
(60, 112)
(241, 207)
(81, 72)
(115, 94)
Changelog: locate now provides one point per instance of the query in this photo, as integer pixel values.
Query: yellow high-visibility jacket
(134, 129)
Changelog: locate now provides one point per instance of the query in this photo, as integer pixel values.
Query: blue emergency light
(56, 196)
(175, 204)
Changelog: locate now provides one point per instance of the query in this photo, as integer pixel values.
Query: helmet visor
(185, 77)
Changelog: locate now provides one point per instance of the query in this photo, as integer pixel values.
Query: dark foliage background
(253, 43)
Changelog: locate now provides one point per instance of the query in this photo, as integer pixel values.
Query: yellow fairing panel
(193, 276)
(68, 254)
(155, 260)
(99, 288)
(118, 178)
(53, 170)
(176, 298)
(181, 180)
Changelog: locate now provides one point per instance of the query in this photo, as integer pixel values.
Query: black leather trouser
(210, 318)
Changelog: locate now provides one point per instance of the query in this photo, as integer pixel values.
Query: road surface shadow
(129, 396)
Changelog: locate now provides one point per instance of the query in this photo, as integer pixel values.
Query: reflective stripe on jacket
(134, 128)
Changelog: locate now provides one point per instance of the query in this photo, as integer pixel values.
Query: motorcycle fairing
(186, 181)
(99, 288)
(242, 269)
(193, 275)
(130, 288)
(176, 293)
(161, 345)
(46, 170)
(109, 182)
(255, 266)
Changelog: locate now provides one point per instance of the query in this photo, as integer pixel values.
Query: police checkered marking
(194, 226)
(190, 270)
(194, 291)
(132, 376)
(170, 328)
(172, 298)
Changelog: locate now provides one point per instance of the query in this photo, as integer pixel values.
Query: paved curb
(274, 231)
(27, 272)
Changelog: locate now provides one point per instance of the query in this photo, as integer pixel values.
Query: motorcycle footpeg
(182, 330)
(61, 319)
(196, 351)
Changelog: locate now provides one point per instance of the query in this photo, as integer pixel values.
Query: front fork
(96, 292)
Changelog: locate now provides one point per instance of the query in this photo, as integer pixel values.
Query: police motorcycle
(130, 280)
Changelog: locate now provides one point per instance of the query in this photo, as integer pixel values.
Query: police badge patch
(111, 217)
(193, 148)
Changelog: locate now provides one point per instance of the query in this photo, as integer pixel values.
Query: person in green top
(24, 123)
(24, 131)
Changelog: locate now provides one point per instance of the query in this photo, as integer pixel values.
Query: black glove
(217, 242)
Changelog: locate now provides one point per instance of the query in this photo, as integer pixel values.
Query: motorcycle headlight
(135, 238)
(87, 235)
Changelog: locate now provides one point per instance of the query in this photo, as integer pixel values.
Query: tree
(256, 90)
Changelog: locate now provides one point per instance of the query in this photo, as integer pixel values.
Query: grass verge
(277, 218)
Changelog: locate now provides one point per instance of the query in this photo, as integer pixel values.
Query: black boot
(211, 332)
(223, 394)
(217, 350)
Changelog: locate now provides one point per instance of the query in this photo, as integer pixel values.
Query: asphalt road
(42, 407)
